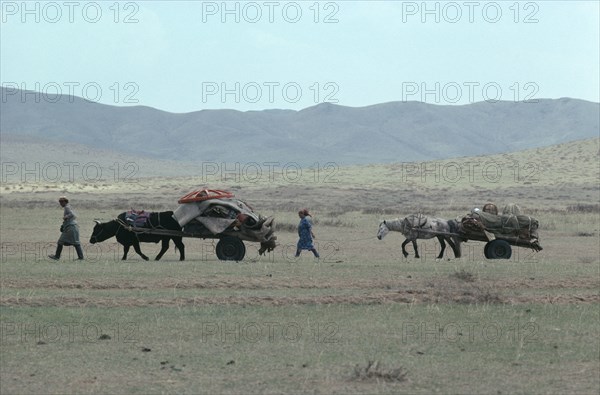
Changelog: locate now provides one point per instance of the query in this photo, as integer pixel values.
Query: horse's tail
(453, 226)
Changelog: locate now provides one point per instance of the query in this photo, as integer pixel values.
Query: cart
(216, 214)
(500, 232)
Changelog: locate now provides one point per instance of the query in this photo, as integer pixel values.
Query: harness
(420, 219)
(139, 230)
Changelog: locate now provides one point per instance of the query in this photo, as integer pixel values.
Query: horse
(161, 220)
(418, 226)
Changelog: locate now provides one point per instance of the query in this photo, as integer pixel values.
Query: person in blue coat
(305, 233)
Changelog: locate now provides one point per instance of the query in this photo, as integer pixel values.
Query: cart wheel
(230, 248)
(497, 249)
(486, 250)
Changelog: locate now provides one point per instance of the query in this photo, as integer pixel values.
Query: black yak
(162, 220)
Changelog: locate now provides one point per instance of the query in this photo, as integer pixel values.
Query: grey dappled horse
(418, 226)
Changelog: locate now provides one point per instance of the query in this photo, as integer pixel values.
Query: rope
(130, 228)
(362, 239)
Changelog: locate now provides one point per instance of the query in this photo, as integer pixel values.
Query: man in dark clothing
(69, 231)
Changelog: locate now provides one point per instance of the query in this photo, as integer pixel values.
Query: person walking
(305, 233)
(69, 231)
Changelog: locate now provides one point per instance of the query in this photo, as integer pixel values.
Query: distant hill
(546, 178)
(382, 133)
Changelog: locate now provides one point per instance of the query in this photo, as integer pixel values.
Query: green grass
(274, 324)
(297, 346)
(301, 348)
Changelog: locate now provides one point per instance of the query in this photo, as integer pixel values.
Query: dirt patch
(200, 301)
(555, 299)
(458, 289)
(232, 283)
(461, 279)
(374, 372)
(541, 283)
(472, 295)
(464, 275)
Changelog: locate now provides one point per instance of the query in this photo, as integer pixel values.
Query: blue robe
(304, 231)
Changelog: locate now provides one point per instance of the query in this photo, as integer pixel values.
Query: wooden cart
(230, 246)
(498, 245)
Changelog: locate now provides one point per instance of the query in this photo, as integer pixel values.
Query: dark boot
(56, 255)
(314, 251)
(79, 252)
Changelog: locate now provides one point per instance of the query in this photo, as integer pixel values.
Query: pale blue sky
(179, 56)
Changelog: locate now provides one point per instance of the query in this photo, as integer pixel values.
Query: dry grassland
(362, 319)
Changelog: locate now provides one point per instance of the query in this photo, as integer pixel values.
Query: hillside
(382, 133)
(557, 176)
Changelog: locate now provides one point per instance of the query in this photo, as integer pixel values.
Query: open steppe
(362, 319)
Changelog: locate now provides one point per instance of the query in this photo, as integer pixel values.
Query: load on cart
(500, 231)
(211, 213)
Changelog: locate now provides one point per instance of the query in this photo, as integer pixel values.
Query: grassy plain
(363, 319)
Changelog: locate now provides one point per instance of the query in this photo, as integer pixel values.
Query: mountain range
(380, 133)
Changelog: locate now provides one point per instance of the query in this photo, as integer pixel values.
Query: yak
(161, 220)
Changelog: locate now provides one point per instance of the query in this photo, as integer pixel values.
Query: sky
(184, 56)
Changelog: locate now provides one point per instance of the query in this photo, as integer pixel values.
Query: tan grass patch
(375, 372)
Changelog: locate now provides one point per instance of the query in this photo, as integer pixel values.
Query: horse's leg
(454, 241)
(163, 249)
(455, 246)
(136, 247)
(125, 251)
(416, 249)
(443, 244)
(180, 247)
(404, 248)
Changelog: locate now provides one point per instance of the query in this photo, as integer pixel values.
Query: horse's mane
(395, 224)
(407, 223)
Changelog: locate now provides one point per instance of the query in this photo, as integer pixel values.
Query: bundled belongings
(490, 208)
(138, 218)
(211, 213)
(520, 229)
